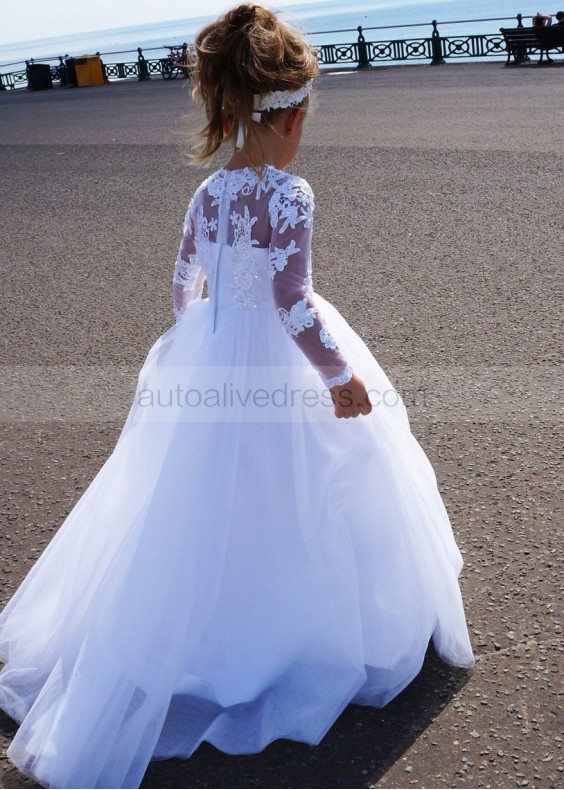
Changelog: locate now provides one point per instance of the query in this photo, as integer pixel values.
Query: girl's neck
(278, 143)
(240, 160)
(242, 163)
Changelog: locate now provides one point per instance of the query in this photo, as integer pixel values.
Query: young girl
(245, 564)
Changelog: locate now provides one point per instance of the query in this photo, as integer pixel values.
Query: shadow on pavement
(358, 750)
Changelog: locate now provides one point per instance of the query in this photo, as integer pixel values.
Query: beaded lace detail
(245, 272)
(267, 222)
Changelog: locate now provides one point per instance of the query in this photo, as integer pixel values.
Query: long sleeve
(291, 218)
(188, 278)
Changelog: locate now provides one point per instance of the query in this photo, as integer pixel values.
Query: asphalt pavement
(438, 235)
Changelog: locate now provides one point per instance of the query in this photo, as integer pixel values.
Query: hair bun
(241, 15)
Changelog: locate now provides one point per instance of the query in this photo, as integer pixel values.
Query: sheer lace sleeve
(188, 278)
(291, 218)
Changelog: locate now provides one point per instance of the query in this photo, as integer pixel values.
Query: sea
(393, 19)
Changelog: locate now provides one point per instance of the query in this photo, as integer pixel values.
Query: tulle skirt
(242, 567)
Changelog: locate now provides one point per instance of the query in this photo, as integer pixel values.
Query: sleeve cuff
(336, 381)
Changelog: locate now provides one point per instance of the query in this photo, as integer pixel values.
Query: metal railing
(361, 53)
(140, 69)
(435, 49)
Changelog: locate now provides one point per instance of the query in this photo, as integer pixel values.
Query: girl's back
(249, 235)
(247, 212)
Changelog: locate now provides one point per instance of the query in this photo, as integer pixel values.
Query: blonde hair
(247, 51)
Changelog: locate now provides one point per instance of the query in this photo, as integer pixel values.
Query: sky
(33, 19)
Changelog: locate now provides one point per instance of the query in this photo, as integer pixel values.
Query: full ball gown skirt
(239, 570)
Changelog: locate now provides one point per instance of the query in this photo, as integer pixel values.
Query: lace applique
(299, 318)
(242, 181)
(279, 257)
(215, 185)
(292, 203)
(186, 277)
(234, 181)
(343, 378)
(326, 339)
(269, 182)
(203, 228)
(186, 272)
(308, 281)
(247, 274)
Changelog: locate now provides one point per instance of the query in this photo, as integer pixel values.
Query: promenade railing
(363, 52)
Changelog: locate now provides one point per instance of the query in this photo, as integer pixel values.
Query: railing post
(63, 76)
(142, 69)
(436, 46)
(103, 65)
(363, 61)
(2, 86)
(519, 20)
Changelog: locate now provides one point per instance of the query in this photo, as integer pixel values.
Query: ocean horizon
(399, 19)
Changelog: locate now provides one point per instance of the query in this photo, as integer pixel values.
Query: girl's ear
(227, 124)
(293, 118)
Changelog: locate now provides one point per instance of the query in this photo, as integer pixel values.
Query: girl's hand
(351, 399)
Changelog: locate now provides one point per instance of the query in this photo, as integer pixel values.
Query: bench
(518, 40)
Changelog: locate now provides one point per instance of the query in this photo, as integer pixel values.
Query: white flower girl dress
(245, 564)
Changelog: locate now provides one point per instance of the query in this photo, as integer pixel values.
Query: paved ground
(439, 236)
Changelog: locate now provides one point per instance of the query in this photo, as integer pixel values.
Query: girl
(245, 564)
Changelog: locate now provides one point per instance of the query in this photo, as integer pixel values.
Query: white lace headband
(274, 100)
(277, 100)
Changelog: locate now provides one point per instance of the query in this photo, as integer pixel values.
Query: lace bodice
(267, 224)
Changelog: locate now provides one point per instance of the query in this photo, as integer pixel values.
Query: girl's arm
(291, 218)
(188, 278)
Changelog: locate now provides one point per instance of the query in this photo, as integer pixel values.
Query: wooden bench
(519, 40)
